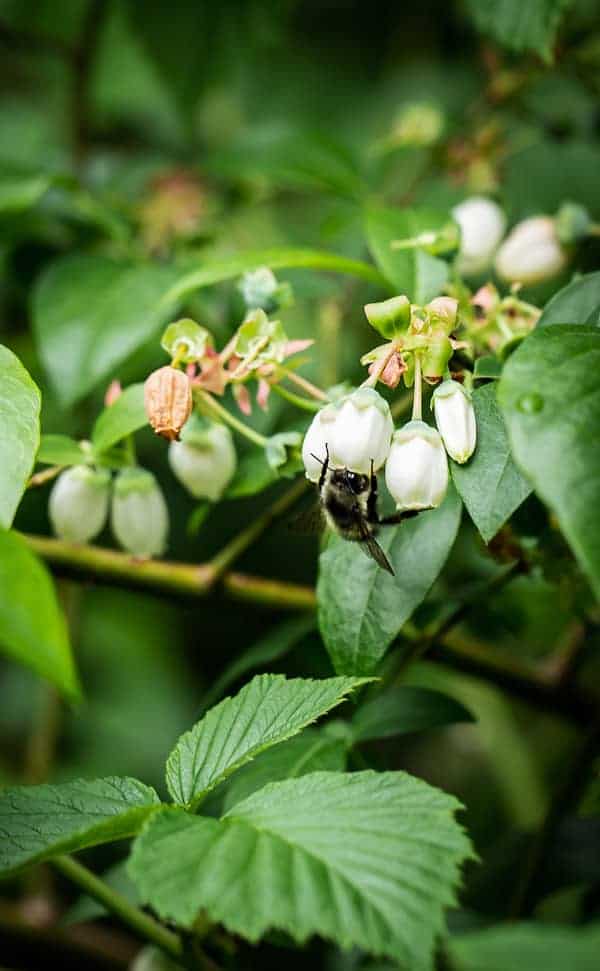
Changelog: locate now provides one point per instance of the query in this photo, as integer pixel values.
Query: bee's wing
(309, 521)
(371, 547)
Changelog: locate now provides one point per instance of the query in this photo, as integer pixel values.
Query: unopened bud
(204, 460)
(168, 401)
(78, 504)
(455, 419)
(531, 252)
(139, 514)
(482, 224)
(416, 472)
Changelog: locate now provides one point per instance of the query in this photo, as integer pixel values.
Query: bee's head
(350, 481)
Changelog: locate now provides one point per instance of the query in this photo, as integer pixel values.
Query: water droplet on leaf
(530, 403)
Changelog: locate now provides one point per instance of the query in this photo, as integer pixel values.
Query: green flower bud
(78, 504)
(139, 514)
(204, 460)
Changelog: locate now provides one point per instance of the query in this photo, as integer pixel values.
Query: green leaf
(276, 451)
(364, 859)
(487, 366)
(38, 822)
(268, 710)
(530, 26)
(125, 416)
(490, 484)
(549, 396)
(577, 303)
(273, 646)
(276, 259)
(90, 313)
(32, 627)
(535, 947)
(20, 403)
(252, 475)
(18, 194)
(403, 710)
(539, 178)
(411, 272)
(61, 450)
(362, 608)
(312, 751)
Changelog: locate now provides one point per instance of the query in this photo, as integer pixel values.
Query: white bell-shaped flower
(204, 460)
(78, 504)
(362, 432)
(531, 252)
(455, 419)
(139, 514)
(482, 223)
(416, 472)
(317, 441)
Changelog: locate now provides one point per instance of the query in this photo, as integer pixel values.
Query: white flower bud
(204, 460)
(482, 224)
(416, 472)
(259, 287)
(362, 432)
(78, 503)
(356, 431)
(139, 514)
(531, 252)
(455, 419)
(317, 440)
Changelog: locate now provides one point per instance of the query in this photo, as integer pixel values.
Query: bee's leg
(324, 466)
(372, 514)
(399, 517)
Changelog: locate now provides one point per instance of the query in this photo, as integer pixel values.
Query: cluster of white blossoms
(84, 498)
(533, 251)
(357, 433)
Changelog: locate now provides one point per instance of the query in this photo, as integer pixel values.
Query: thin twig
(142, 924)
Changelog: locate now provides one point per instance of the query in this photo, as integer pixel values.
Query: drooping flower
(139, 514)
(416, 472)
(355, 432)
(455, 419)
(532, 252)
(78, 504)
(482, 224)
(204, 460)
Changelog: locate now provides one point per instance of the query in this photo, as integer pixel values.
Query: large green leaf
(410, 271)
(313, 751)
(530, 26)
(38, 822)
(534, 947)
(490, 484)
(19, 432)
(576, 303)
(365, 859)
(361, 607)
(32, 627)
(540, 177)
(405, 709)
(18, 193)
(550, 397)
(90, 313)
(268, 710)
(124, 417)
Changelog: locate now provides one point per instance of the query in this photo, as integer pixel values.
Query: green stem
(417, 411)
(275, 259)
(248, 536)
(307, 386)
(139, 922)
(307, 404)
(212, 408)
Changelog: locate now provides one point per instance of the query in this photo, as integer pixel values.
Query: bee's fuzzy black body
(349, 505)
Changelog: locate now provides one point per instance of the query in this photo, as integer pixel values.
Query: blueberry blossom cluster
(357, 432)
(536, 249)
